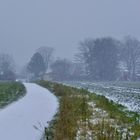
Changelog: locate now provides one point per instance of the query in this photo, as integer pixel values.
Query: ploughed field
(124, 93)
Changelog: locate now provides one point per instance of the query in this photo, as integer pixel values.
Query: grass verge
(83, 115)
(10, 91)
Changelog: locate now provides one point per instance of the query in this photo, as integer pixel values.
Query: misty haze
(70, 70)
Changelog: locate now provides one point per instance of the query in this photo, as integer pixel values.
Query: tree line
(108, 59)
(100, 59)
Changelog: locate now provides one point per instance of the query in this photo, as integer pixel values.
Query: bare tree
(46, 53)
(6, 62)
(61, 69)
(131, 55)
(77, 71)
(85, 56)
(100, 57)
(7, 67)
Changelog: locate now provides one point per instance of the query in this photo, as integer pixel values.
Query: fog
(61, 24)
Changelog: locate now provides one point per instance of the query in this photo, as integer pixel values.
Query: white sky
(25, 25)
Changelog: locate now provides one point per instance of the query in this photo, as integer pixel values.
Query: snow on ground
(126, 96)
(26, 118)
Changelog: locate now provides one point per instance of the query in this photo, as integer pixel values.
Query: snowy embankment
(26, 118)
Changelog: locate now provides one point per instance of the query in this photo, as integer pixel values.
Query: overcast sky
(25, 25)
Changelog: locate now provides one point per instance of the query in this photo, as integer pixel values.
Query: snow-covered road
(19, 120)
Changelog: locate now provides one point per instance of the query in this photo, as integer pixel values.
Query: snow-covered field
(26, 118)
(125, 95)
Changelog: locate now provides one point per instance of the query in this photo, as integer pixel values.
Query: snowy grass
(85, 115)
(125, 93)
(10, 91)
(73, 107)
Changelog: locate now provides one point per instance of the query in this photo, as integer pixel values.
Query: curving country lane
(26, 118)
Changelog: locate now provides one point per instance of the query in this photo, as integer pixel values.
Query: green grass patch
(10, 91)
